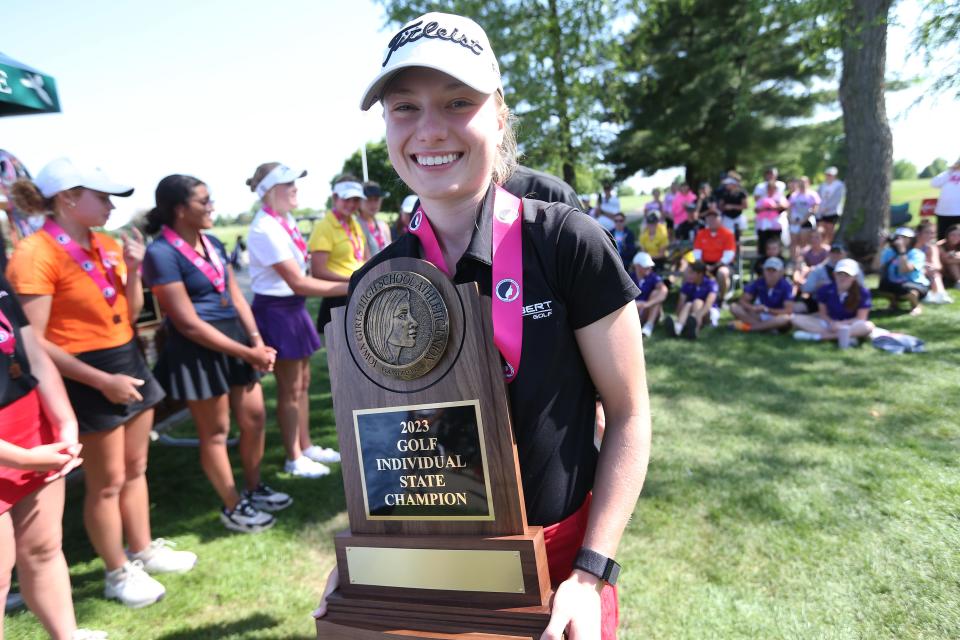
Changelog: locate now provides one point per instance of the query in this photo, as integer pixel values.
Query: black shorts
(94, 412)
(832, 219)
(189, 371)
(903, 288)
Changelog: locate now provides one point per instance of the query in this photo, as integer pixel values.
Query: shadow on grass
(241, 628)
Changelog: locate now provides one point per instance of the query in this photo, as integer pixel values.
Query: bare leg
(135, 496)
(740, 313)
(684, 313)
(776, 322)
(44, 577)
(811, 323)
(7, 557)
(247, 405)
(212, 417)
(861, 328)
(103, 478)
(723, 279)
(304, 430)
(699, 312)
(288, 373)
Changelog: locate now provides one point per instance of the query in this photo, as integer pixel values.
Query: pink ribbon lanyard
(292, 231)
(8, 340)
(507, 269)
(214, 272)
(377, 234)
(75, 251)
(354, 242)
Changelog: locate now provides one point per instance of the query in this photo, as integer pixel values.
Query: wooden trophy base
(352, 618)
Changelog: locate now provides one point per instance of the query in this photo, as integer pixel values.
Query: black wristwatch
(597, 565)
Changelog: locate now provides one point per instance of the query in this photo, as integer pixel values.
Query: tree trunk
(868, 139)
(568, 154)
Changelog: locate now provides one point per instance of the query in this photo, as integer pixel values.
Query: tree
(379, 169)
(935, 168)
(716, 84)
(941, 30)
(904, 170)
(553, 55)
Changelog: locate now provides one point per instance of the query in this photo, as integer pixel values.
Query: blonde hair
(507, 153)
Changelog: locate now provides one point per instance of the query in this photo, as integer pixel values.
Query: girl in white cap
(450, 139)
(844, 309)
(81, 293)
(278, 264)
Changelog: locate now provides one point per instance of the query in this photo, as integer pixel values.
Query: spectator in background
(811, 257)
(821, 276)
(705, 198)
(772, 249)
(803, 208)
(901, 269)
(654, 239)
(843, 309)
(654, 205)
(376, 233)
(698, 301)
(585, 206)
(403, 217)
(626, 243)
(680, 251)
(949, 249)
(933, 268)
(770, 176)
(653, 291)
(678, 208)
(608, 205)
(769, 209)
(832, 193)
(668, 203)
(239, 258)
(766, 303)
(732, 202)
(948, 204)
(716, 247)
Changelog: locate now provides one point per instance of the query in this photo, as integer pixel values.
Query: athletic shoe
(647, 330)
(739, 325)
(690, 331)
(806, 335)
(246, 518)
(671, 326)
(266, 499)
(131, 585)
(88, 634)
(160, 557)
(945, 298)
(324, 455)
(714, 317)
(304, 467)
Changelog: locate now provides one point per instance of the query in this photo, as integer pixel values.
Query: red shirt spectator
(714, 243)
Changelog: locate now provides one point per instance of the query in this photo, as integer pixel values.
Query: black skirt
(94, 411)
(189, 371)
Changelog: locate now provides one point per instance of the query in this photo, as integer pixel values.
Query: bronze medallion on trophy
(438, 544)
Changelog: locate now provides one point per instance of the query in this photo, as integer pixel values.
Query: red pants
(22, 423)
(563, 540)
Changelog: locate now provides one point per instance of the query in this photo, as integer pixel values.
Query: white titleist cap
(280, 174)
(455, 45)
(62, 174)
(847, 266)
(347, 190)
(643, 259)
(409, 203)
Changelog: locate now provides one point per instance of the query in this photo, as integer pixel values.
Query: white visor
(347, 190)
(62, 174)
(281, 174)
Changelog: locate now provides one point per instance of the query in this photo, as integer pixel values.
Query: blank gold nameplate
(484, 570)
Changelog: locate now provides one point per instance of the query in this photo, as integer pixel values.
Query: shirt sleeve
(270, 244)
(160, 265)
(321, 239)
(822, 294)
(751, 289)
(940, 180)
(730, 242)
(866, 299)
(33, 269)
(15, 311)
(590, 272)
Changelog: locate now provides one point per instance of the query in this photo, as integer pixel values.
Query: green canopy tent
(24, 90)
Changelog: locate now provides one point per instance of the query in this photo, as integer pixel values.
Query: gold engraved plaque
(401, 325)
(445, 569)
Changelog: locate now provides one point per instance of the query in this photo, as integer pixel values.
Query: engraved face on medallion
(401, 325)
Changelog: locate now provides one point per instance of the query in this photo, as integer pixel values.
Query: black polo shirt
(12, 390)
(736, 195)
(537, 185)
(572, 277)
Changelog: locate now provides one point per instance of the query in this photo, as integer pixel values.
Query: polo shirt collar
(481, 242)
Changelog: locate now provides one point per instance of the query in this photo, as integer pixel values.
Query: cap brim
(375, 89)
(119, 190)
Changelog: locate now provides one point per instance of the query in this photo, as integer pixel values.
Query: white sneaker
(714, 316)
(88, 634)
(304, 467)
(160, 557)
(131, 585)
(945, 298)
(647, 330)
(806, 335)
(324, 455)
(246, 518)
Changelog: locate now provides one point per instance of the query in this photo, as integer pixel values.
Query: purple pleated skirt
(285, 325)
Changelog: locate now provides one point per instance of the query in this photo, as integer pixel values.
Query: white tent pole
(363, 159)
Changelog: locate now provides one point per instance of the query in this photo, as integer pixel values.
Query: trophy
(438, 545)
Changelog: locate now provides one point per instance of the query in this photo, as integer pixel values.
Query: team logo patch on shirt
(109, 292)
(87, 265)
(506, 214)
(416, 220)
(508, 370)
(4, 336)
(538, 310)
(63, 238)
(508, 290)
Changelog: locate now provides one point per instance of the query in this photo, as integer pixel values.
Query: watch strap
(598, 565)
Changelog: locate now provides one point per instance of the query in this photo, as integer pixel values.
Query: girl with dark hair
(450, 139)
(213, 354)
(844, 309)
(278, 262)
(81, 293)
(933, 267)
(949, 248)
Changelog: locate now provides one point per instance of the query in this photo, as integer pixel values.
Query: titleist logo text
(431, 30)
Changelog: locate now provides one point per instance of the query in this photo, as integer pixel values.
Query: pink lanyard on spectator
(214, 272)
(354, 241)
(377, 234)
(75, 251)
(292, 231)
(507, 273)
(8, 340)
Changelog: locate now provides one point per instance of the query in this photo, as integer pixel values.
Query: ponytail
(27, 197)
(173, 191)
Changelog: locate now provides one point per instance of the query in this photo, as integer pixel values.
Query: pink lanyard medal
(507, 273)
(214, 272)
(75, 251)
(354, 242)
(292, 231)
(376, 233)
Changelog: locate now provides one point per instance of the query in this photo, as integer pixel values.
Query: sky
(215, 88)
